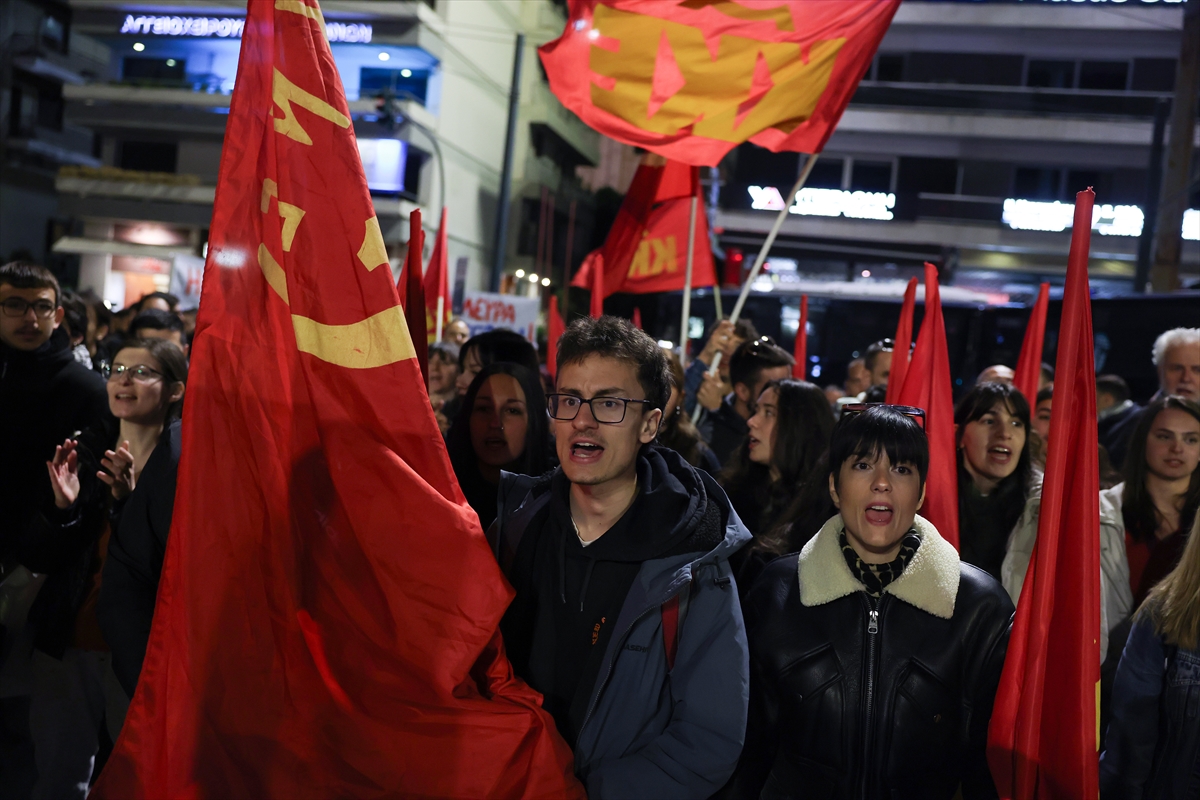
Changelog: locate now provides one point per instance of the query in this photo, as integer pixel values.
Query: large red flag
(555, 328)
(437, 285)
(927, 386)
(1043, 737)
(412, 300)
(646, 248)
(1029, 365)
(800, 350)
(692, 80)
(327, 618)
(903, 343)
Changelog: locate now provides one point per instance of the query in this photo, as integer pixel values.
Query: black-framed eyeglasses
(608, 410)
(141, 373)
(19, 307)
(918, 414)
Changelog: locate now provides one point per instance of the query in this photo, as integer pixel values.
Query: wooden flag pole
(687, 284)
(762, 257)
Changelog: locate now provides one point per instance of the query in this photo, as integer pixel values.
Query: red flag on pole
(1043, 737)
(800, 351)
(646, 248)
(927, 386)
(414, 292)
(691, 81)
(1029, 365)
(555, 328)
(437, 285)
(327, 618)
(903, 340)
(637, 318)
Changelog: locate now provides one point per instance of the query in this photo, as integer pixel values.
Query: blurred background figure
(501, 425)
(456, 332)
(443, 373)
(678, 432)
(997, 373)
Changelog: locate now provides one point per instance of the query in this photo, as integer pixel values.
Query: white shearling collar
(929, 582)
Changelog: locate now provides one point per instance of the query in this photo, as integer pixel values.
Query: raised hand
(64, 473)
(120, 476)
(718, 341)
(711, 392)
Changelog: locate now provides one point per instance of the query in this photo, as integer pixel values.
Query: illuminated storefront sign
(1034, 215)
(826, 203)
(229, 28)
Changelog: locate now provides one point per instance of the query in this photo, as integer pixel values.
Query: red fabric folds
(927, 386)
(646, 248)
(800, 350)
(555, 328)
(437, 283)
(327, 617)
(1043, 740)
(903, 340)
(413, 298)
(692, 80)
(1029, 364)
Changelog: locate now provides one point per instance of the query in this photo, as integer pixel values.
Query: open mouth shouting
(586, 451)
(1000, 455)
(879, 513)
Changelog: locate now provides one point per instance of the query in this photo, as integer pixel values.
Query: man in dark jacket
(626, 616)
(45, 395)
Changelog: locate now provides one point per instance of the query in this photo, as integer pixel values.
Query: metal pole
(566, 284)
(762, 257)
(687, 283)
(500, 241)
(1153, 186)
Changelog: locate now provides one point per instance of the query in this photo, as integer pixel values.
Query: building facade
(143, 92)
(965, 145)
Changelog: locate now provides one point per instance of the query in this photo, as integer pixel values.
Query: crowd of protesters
(723, 584)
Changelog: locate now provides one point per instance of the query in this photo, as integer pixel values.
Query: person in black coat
(46, 396)
(129, 583)
(875, 653)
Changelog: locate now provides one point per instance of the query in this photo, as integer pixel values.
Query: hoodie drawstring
(587, 577)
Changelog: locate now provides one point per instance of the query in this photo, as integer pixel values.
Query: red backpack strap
(670, 629)
(673, 613)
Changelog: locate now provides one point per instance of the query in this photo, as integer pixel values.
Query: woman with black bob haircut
(789, 432)
(875, 652)
(502, 425)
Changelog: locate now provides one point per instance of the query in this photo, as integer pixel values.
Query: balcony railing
(1007, 99)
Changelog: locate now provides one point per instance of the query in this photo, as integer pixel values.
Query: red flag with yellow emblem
(646, 248)
(692, 79)
(327, 618)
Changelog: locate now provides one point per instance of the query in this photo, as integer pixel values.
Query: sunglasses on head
(912, 412)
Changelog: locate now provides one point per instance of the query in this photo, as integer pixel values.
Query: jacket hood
(929, 582)
(52, 356)
(676, 511)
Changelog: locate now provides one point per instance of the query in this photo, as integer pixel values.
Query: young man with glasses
(626, 616)
(45, 395)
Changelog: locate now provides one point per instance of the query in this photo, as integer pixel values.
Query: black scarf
(876, 577)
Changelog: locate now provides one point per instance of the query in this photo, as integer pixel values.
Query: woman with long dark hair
(502, 425)
(995, 471)
(789, 432)
(1159, 499)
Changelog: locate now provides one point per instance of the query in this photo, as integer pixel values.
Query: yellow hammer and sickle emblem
(376, 341)
(716, 92)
